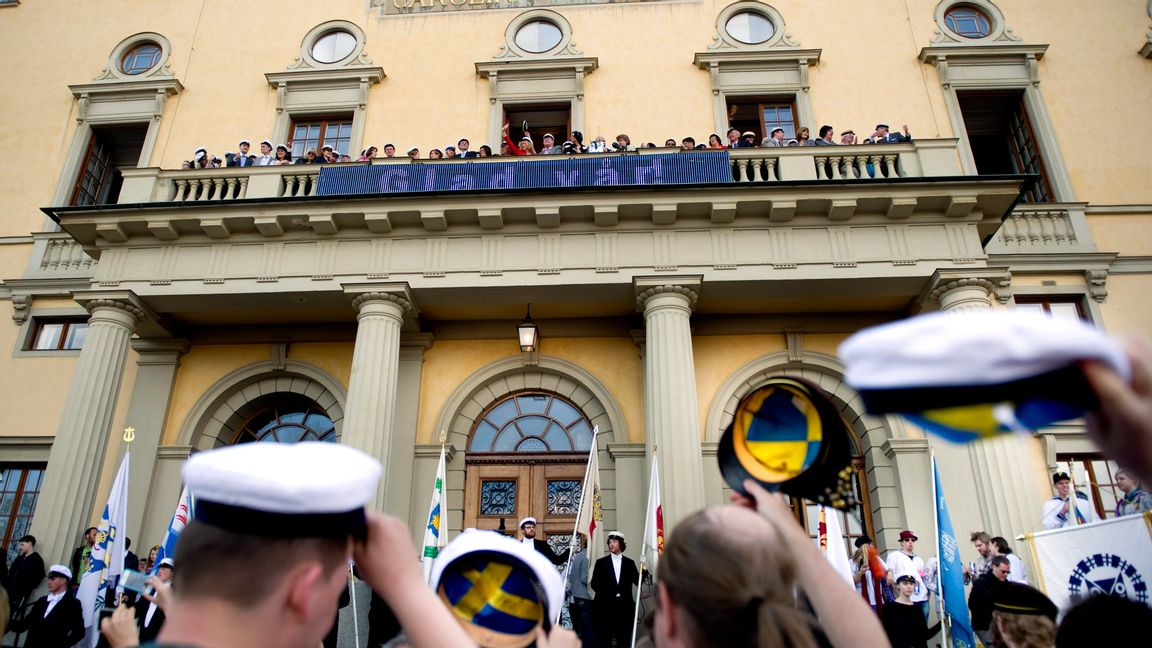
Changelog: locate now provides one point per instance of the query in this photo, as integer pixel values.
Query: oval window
(538, 36)
(750, 27)
(141, 58)
(333, 46)
(968, 21)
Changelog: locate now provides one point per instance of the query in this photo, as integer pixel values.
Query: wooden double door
(505, 489)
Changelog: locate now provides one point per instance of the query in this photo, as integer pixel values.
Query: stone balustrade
(65, 256)
(1040, 228)
(919, 158)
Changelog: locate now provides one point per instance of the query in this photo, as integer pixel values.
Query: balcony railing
(920, 158)
(1043, 228)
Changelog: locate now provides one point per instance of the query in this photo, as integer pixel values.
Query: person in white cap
(265, 559)
(265, 157)
(613, 578)
(242, 159)
(502, 592)
(528, 536)
(149, 616)
(56, 619)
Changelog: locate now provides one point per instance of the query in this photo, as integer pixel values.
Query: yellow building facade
(205, 307)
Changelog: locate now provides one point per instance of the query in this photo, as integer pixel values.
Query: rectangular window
(762, 115)
(109, 150)
(316, 132)
(59, 334)
(1094, 476)
(1002, 139)
(541, 118)
(19, 490)
(1062, 307)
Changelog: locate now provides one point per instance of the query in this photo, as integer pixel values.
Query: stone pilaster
(67, 497)
(157, 361)
(1001, 477)
(369, 413)
(671, 411)
(398, 483)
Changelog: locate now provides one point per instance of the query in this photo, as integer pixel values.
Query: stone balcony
(917, 159)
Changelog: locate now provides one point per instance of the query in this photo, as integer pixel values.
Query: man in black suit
(528, 535)
(26, 573)
(149, 616)
(56, 620)
(882, 136)
(612, 581)
(462, 147)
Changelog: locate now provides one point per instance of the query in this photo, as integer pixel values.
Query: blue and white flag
(107, 555)
(435, 535)
(951, 573)
(180, 519)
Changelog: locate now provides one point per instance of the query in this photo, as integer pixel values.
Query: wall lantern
(527, 332)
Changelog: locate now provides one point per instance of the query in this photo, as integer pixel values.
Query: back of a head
(1025, 630)
(242, 569)
(734, 581)
(1103, 620)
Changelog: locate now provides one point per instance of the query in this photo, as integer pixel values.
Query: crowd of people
(573, 143)
(265, 562)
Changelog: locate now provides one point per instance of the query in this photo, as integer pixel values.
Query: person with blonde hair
(728, 576)
(1023, 617)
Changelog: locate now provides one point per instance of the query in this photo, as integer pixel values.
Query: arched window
(535, 421)
(285, 418)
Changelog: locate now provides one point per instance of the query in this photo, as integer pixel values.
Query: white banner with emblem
(1109, 557)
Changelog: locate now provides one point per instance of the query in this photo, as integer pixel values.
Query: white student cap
(310, 489)
(951, 359)
(494, 543)
(267, 142)
(59, 570)
(168, 562)
(243, 142)
(527, 520)
(616, 534)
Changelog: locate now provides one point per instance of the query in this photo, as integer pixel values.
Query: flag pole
(355, 612)
(648, 515)
(574, 539)
(944, 621)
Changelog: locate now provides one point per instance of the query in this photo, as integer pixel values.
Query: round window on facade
(750, 27)
(141, 58)
(333, 46)
(967, 21)
(538, 36)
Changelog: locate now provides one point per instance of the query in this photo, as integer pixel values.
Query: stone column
(157, 362)
(398, 482)
(672, 418)
(1002, 479)
(370, 408)
(67, 497)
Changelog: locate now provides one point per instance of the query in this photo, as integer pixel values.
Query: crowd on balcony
(281, 154)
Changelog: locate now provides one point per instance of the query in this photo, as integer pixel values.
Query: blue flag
(951, 573)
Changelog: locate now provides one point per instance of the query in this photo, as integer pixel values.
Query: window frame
(513, 397)
(10, 535)
(980, 14)
(131, 52)
(323, 121)
(68, 324)
(800, 508)
(1086, 461)
(762, 102)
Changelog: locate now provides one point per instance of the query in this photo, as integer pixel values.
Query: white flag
(591, 507)
(654, 522)
(107, 555)
(831, 540)
(1109, 557)
(435, 535)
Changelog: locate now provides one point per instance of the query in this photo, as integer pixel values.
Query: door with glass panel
(526, 457)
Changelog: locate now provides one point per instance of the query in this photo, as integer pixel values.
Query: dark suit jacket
(546, 549)
(469, 154)
(148, 632)
(24, 577)
(62, 627)
(980, 600)
(604, 581)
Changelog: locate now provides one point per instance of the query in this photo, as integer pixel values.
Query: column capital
(159, 351)
(646, 288)
(994, 282)
(121, 300)
(397, 293)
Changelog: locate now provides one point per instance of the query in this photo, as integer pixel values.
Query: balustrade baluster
(821, 172)
(313, 184)
(181, 191)
(289, 186)
(230, 192)
(243, 186)
(773, 171)
(743, 166)
(757, 176)
(890, 166)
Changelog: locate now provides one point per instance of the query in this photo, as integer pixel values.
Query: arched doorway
(527, 453)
